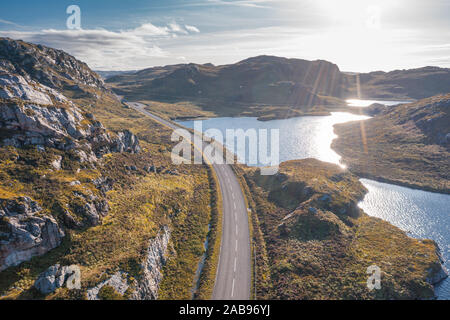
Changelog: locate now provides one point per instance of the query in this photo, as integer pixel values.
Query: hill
(261, 83)
(403, 84)
(86, 181)
(315, 243)
(408, 144)
(270, 87)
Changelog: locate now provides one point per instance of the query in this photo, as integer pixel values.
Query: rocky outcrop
(104, 184)
(126, 142)
(48, 66)
(375, 109)
(31, 113)
(63, 129)
(433, 118)
(118, 281)
(53, 278)
(91, 208)
(147, 287)
(436, 277)
(16, 87)
(24, 232)
(439, 272)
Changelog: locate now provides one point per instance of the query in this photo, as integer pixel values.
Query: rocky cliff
(36, 113)
(48, 66)
(24, 232)
(33, 114)
(148, 285)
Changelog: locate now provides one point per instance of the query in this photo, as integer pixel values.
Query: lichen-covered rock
(46, 124)
(92, 209)
(15, 86)
(104, 184)
(148, 285)
(33, 111)
(436, 277)
(56, 164)
(51, 67)
(126, 142)
(24, 232)
(53, 278)
(64, 129)
(118, 281)
(439, 272)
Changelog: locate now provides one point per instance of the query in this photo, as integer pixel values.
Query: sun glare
(355, 11)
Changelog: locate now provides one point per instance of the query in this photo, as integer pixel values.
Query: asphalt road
(233, 279)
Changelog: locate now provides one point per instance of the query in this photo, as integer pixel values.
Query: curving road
(234, 270)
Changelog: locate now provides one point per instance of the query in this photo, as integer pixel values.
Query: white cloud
(148, 29)
(176, 28)
(243, 3)
(192, 29)
(110, 50)
(3, 21)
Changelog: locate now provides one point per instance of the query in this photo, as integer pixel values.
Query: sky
(357, 35)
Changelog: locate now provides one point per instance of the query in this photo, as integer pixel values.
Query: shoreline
(397, 183)
(360, 174)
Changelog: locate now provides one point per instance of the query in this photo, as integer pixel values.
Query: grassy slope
(392, 148)
(401, 84)
(325, 255)
(140, 204)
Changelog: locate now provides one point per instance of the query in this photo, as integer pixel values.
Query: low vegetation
(406, 145)
(319, 244)
(140, 203)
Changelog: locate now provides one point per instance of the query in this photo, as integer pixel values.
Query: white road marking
(227, 173)
(232, 289)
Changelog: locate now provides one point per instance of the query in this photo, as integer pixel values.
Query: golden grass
(325, 255)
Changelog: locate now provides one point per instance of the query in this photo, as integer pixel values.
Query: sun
(354, 12)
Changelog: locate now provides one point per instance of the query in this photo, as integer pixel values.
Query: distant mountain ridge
(416, 83)
(278, 81)
(263, 79)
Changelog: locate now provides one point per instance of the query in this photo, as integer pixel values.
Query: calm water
(422, 214)
(366, 103)
(300, 138)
